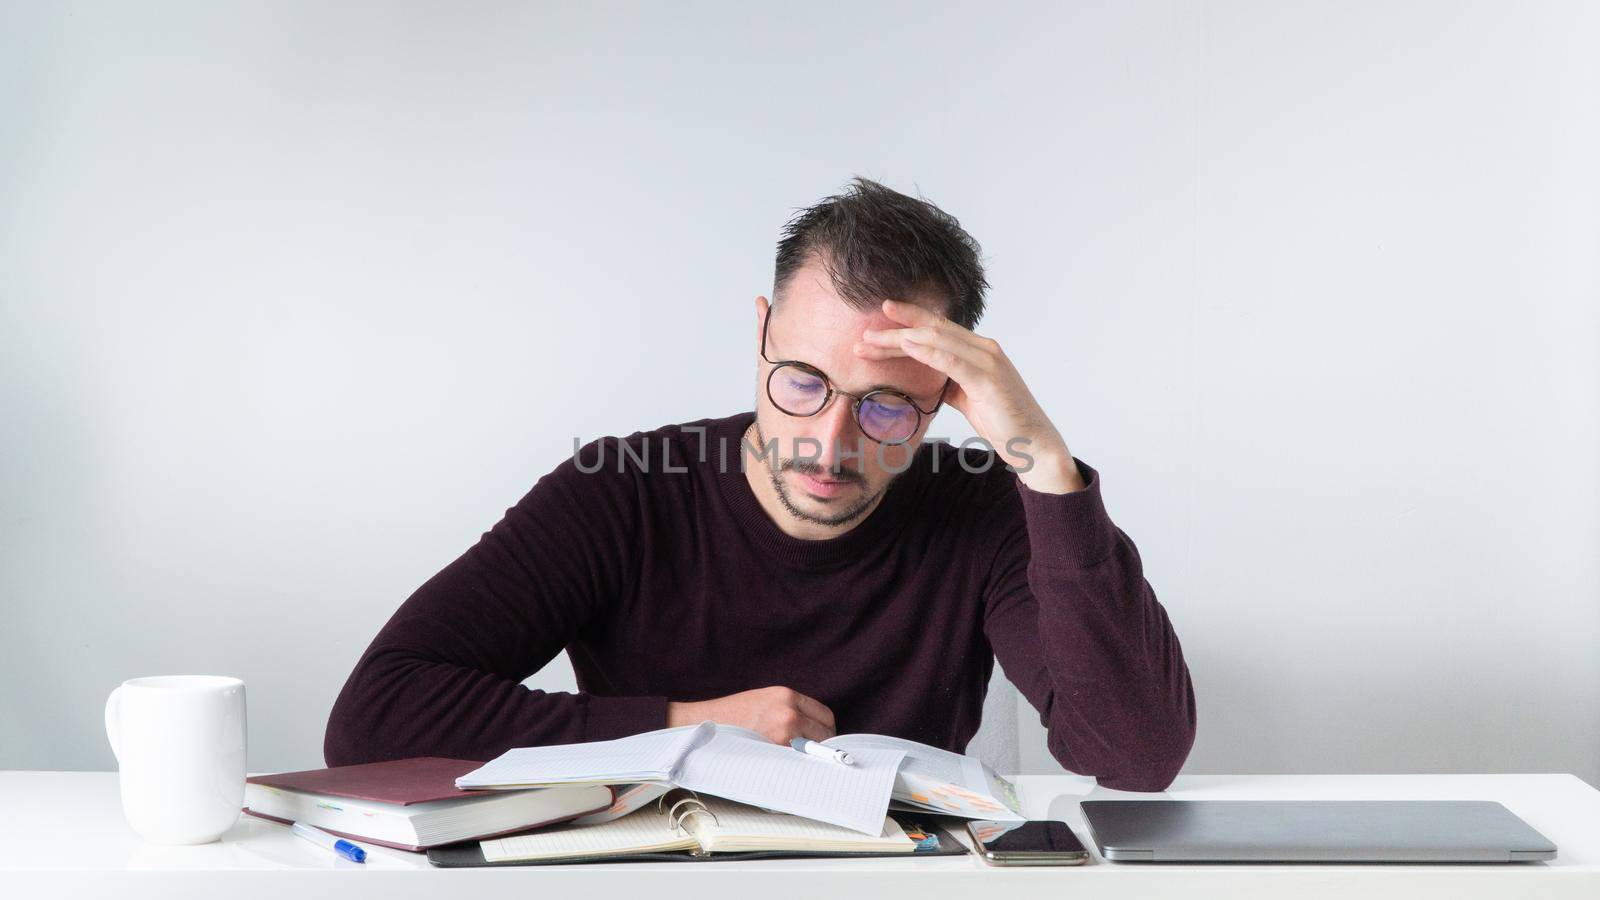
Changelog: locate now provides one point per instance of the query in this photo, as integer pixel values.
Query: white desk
(62, 834)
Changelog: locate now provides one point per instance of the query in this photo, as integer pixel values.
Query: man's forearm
(1122, 703)
(400, 703)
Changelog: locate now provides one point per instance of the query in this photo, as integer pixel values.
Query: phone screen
(1046, 836)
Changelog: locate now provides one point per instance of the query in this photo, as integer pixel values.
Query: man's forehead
(831, 319)
(827, 337)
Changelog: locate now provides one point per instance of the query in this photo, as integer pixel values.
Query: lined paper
(714, 760)
(738, 820)
(641, 757)
(921, 759)
(936, 779)
(765, 774)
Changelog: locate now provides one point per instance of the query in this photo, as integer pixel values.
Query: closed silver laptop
(1312, 831)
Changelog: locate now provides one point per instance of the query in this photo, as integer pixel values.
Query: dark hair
(879, 244)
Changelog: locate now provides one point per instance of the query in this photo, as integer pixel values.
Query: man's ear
(761, 316)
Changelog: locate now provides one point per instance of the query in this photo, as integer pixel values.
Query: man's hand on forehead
(985, 387)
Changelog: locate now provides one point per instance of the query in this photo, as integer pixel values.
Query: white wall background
(297, 298)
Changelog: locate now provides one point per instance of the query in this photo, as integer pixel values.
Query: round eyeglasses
(800, 389)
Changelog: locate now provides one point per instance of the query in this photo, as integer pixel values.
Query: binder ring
(695, 807)
(663, 798)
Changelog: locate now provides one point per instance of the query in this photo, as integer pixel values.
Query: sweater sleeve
(443, 676)
(1078, 629)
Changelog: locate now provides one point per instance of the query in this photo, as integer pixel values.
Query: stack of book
(413, 804)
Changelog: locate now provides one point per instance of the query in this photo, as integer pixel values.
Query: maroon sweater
(667, 584)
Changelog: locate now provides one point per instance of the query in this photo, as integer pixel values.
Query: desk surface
(65, 831)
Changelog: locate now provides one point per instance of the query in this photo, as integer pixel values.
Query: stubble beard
(854, 511)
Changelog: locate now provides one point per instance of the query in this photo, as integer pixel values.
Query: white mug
(180, 747)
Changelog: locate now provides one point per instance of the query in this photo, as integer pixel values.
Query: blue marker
(332, 841)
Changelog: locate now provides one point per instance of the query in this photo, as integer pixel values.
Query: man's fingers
(802, 727)
(948, 355)
(814, 730)
(872, 351)
(813, 709)
(912, 314)
(958, 343)
(958, 368)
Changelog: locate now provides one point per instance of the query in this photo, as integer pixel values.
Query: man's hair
(879, 244)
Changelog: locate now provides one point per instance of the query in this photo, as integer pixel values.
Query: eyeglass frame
(855, 408)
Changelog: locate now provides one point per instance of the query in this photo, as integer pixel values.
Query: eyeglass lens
(883, 416)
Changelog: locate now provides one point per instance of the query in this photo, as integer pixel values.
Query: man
(810, 568)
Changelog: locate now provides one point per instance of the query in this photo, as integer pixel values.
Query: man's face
(829, 473)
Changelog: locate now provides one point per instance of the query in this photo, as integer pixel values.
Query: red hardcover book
(413, 804)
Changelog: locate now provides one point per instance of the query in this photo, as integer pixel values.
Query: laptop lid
(1312, 831)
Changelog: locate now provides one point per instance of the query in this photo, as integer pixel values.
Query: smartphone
(1039, 843)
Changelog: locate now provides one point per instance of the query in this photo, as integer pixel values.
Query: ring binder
(675, 792)
(694, 805)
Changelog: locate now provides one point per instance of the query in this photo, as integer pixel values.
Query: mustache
(817, 470)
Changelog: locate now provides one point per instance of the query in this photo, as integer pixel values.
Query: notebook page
(742, 820)
(641, 757)
(643, 831)
(922, 759)
(941, 780)
(765, 774)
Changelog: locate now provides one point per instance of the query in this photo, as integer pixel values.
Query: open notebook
(711, 760)
(698, 825)
(735, 763)
(934, 780)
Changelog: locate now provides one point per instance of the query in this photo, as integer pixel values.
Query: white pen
(333, 842)
(813, 748)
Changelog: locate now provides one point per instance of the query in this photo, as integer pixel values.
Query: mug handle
(113, 720)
